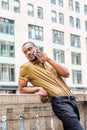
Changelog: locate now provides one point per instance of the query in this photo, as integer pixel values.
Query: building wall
(25, 111)
(21, 34)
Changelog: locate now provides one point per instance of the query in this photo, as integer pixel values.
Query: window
(78, 23)
(71, 21)
(77, 76)
(61, 18)
(35, 32)
(85, 9)
(58, 37)
(5, 4)
(7, 49)
(53, 1)
(86, 43)
(86, 25)
(30, 9)
(76, 58)
(54, 16)
(40, 12)
(71, 4)
(77, 8)
(75, 41)
(6, 26)
(7, 72)
(60, 2)
(16, 6)
(59, 55)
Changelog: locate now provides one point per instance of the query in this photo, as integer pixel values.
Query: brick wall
(26, 112)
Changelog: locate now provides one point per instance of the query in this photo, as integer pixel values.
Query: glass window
(6, 26)
(7, 72)
(76, 58)
(86, 25)
(71, 21)
(86, 43)
(53, 1)
(58, 37)
(77, 76)
(71, 4)
(7, 48)
(59, 55)
(77, 8)
(85, 9)
(61, 18)
(16, 6)
(30, 9)
(60, 2)
(53, 16)
(35, 32)
(5, 4)
(78, 23)
(40, 12)
(75, 41)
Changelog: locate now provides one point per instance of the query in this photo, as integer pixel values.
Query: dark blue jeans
(65, 108)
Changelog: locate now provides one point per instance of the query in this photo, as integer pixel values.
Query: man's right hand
(43, 95)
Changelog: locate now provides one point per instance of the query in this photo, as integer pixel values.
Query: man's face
(29, 49)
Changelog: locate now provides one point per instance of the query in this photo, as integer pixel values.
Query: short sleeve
(24, 73)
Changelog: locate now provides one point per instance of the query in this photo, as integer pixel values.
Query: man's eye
(30, 49)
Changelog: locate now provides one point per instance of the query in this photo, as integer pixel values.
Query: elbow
(20, 90)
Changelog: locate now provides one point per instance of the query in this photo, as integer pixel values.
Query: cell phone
(36, 54)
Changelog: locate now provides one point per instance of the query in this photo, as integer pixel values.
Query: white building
(59, 27)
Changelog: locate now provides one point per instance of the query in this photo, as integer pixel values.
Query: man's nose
(28, 52)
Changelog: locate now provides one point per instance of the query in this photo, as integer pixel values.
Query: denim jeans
(65, 108)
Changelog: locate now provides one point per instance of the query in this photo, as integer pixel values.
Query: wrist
(48, 59)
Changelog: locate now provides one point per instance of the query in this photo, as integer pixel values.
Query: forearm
(29, 89)
(60, 69)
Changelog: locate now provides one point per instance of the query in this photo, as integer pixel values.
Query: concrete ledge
(29, 106)
(22, 98)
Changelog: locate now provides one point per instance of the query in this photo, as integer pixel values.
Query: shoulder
(26, 66)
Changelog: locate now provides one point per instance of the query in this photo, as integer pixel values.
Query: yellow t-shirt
(46, 77)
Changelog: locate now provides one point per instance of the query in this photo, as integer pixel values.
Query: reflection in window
(5, 4)
(7, 72)
(85, 25)
(75, 41)
(7, 48)
(85, 9)
(6, 26)
(77, 76)
(40, 12)
(60, 2)
(58, 55)
(76, 58)
(61, 18)
(35, 32)
(53, 1)
(71, 21)
(53, 16)
(71, 4)
(77, 8)
(78, 23)
(16, 6)
(58, 37)
(86, 43)
(30, 9)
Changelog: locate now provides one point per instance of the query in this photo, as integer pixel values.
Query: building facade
(57, 27)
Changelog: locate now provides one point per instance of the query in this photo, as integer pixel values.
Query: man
(46, 77)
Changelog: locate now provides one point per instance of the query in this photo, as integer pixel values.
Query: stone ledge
(30, 98)
(13, 105)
